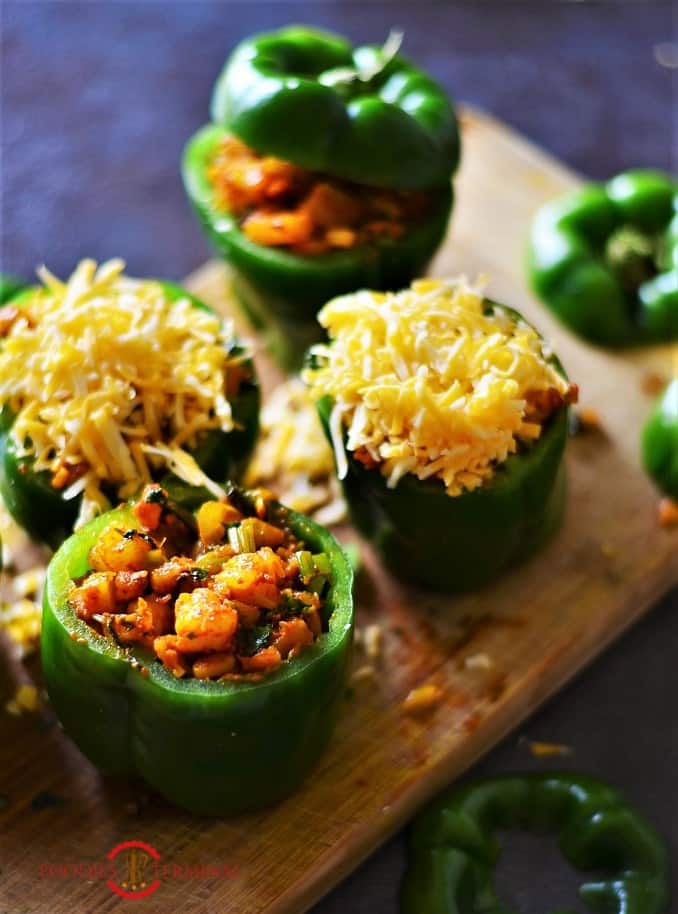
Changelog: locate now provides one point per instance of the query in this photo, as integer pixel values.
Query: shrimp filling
(282, 205)
(232, 597)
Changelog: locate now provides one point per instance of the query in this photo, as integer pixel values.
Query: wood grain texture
(539, 625)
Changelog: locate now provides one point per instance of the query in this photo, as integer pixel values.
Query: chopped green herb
(251, 640)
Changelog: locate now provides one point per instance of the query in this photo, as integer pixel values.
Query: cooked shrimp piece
(149, 618)
(212, 519)
(121, 550)
(213, 665)
(128, 585)
(263, 661)
(167, 577)
(95, 595)
(253, 577)
(293, 637)
(166, 649)
(204, 621)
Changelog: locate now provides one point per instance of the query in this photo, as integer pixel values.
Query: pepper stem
(366, 71)
(632, 255)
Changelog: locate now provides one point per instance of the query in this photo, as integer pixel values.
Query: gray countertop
(97, 101)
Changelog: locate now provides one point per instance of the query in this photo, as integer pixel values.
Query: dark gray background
(97, 101)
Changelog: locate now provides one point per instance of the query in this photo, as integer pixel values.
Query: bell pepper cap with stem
(281, 292)
(41, 509)
(364, 114)
(453, 544)
(604, 258)
(454, 850)
(213, 748)
(659, 442)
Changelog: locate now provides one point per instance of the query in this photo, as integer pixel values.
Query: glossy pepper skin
(454, 851)
(455, 544)
(285, 93)
(213, 748)
(9, 287)
(280, 93)
(660, 442)
(605, 259)
(47, 517)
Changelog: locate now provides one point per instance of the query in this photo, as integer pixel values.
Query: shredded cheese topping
(109, 379)
(293, 456)
(424, 381)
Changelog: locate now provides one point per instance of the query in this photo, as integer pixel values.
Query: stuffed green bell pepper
(448, 418)
(9, 288)
(605, 259)
(454, 849)
(660, 442)
(205, 653)
(327, 168)
(108, 382)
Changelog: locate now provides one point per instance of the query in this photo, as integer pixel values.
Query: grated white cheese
(108, 375)
(423, 381)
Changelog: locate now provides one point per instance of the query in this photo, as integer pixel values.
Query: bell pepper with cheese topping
(448, 418)
(326, 169)
(207, 655)
(107, 383)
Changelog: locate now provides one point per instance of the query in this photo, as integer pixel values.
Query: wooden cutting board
(532, 632)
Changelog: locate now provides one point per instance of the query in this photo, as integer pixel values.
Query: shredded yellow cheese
(109, 377)
(426, 381)
(293, 456)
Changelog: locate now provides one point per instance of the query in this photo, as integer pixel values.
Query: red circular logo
(135, 867)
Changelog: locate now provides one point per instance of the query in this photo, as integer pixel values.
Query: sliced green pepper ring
(455, 544)
(660, 441)
(282, 292)
(214, 748)
(46, 516)
(605, 259)
(454, 850)
(311, 98)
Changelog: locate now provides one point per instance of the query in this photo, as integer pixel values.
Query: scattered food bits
(21, 621)
(608, 550)
(668, 512)
(367, 671)
(652, 383)
(423, 700)
(26, 698)
(372, 637)
(547, 750)
(478, 662)
(585, 420)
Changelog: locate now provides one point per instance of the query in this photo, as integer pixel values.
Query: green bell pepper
(354, 113)
(281, 292)
(9, 287)
(310, 97)
(605, 259)
(47, 517)
(214, 748)
(455, 544)
(454, 850)
(660, 441)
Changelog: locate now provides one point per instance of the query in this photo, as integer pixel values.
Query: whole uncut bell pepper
(660, 441)
(454, 544)
(214, 748)
(605, 259)
(41, 509)
(312, 99)
(454, 850)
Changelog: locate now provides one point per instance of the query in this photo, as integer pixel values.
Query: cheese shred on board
(432, 381)
(109, 379)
